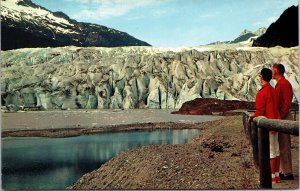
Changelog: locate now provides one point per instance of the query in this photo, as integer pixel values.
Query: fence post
(254, 141)
(246, 128)
(252, 135)
(264, 158)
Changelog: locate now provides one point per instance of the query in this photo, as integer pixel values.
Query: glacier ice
(136, 77)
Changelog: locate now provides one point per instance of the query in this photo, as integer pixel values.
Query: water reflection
(48, 163)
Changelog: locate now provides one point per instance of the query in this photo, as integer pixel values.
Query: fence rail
(258, 134)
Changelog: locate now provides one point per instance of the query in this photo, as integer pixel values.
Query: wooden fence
(258, 134)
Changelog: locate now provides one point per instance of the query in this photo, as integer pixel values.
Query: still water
(56, 163)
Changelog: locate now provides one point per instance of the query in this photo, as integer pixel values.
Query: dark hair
(280, 68)
(266, 74)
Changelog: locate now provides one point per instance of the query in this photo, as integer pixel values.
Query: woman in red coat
(266, 104)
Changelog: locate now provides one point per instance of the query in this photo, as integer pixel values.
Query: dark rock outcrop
(208, 106)
(284, 32)
(31, 26)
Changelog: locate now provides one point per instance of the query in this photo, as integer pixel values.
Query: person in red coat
(266, 104)
(285, 92)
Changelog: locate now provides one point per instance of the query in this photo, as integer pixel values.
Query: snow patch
(10, 9)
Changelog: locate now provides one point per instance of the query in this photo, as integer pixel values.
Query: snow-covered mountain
(137, 77)
(245, 38)
(249, 36)
(25, 24)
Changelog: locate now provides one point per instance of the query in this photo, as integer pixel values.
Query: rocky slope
(25, 24)
(136, 77)
(284, 32)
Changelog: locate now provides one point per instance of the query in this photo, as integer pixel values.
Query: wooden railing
(258, 134)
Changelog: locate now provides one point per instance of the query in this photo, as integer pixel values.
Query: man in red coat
(266, 104)
(285, 94)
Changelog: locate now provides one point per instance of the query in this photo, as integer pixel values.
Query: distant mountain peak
(245, 31)
(246, 37)
(12, 3)
(260, 31)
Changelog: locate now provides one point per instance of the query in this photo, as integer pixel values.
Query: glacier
(137, 77)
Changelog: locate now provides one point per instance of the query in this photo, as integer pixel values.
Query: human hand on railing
(250, 119)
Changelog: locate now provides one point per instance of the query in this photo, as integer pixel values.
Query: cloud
(104, 9)
(209, 15)
(266, 22)
(159, 12)
(271, 19)
(279, 8)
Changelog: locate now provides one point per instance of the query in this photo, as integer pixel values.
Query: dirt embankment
(219, 158)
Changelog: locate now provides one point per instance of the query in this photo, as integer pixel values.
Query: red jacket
(285, 92)
(266, 103)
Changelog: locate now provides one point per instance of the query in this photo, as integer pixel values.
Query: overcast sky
(175, 23)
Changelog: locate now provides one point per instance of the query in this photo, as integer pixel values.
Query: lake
(56, 163)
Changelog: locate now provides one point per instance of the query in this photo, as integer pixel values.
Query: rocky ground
(219, 158)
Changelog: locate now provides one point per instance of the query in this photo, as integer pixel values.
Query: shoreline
(220, 157)
(57, 123)
(73, 132)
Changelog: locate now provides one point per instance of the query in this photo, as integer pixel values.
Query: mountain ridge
(24, 18)
(283, 32)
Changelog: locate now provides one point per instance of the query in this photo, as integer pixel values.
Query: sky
(175, 23)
